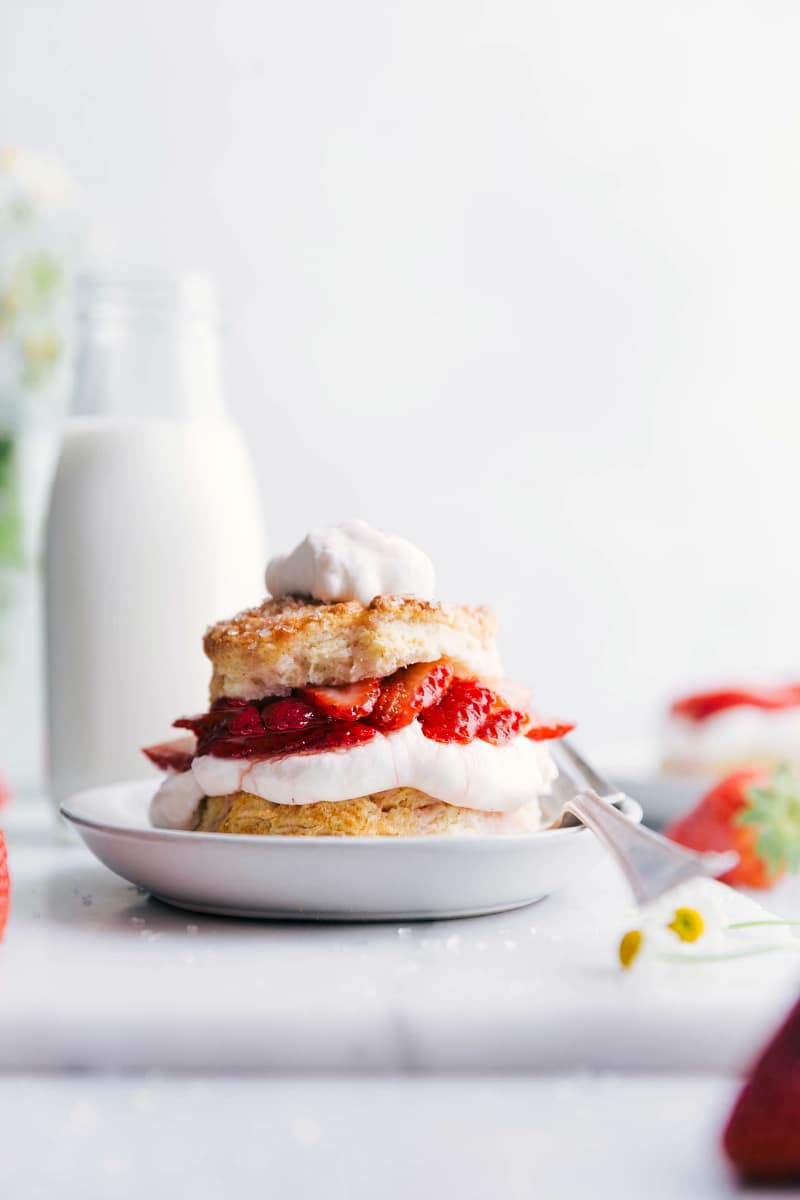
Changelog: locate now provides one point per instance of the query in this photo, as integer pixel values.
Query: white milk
(154, 532)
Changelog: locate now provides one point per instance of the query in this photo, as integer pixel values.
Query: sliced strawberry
(225, 704)
(4, 792)
(246, 722)
(5, 884)
(349, 702)
(460, 713)
(333, 736)
(225, 745)
(176, 755)
(221, 712)
(501, 726)
(205, 728)
(289, 715)
(762, 1138)
(409, 692)
(196, 724)
(545, 731)
(340, 737)
(214, 722)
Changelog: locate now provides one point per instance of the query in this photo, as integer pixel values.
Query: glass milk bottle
(154, 528)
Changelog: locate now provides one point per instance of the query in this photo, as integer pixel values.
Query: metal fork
(651, 863)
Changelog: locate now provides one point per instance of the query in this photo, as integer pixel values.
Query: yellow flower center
(630, 946)
(687, 923)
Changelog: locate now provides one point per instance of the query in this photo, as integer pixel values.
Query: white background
(517, 279)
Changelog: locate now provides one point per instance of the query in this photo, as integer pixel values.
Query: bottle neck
(149, 348)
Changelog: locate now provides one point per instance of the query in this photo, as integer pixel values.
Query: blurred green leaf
(10, 510)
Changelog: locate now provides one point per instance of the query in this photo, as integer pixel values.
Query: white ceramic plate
(329, 879)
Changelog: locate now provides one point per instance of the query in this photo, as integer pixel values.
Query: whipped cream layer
(352, 561)
(478, 776)
(732, 736)
(175, 804)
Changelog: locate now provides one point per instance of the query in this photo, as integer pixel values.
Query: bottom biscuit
(399, 812)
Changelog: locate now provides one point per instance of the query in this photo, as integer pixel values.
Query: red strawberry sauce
(315, 719)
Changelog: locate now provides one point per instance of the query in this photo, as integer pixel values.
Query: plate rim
(485, 840)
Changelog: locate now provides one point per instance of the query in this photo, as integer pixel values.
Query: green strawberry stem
(10, 506)
(772, 811)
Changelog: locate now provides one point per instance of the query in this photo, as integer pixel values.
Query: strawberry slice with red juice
(213, 724)
(409, 692)
(290, 715)
(506, 723)
(176, 755)
(246, 722)
(313, 719)
(460, 714)
(547, 731)
(337, 735)
(234, 728)
(500, 727)
(347, 702)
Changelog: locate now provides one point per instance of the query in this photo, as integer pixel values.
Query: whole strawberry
(755, 812)
(762, 1138)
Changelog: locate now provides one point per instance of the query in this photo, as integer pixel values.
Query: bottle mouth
(148, 345)
(133, 294)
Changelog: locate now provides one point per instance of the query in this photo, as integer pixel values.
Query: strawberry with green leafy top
(755, 812)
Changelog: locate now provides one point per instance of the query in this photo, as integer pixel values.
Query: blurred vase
(40, 233)
(27, 455)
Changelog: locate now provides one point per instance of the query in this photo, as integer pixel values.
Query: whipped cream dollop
(352, 561)
(478, 776)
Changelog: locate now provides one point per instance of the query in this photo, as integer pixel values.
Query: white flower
(40, 234)
(704, 921)
(37, 180)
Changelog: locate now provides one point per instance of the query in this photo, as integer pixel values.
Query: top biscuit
(286, 643)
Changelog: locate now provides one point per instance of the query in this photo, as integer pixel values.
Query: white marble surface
(387, 1138)
(96, 975)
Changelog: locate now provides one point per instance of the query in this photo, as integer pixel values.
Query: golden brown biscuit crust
(400, 812)
(290, 642)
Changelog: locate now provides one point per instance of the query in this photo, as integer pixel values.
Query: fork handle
(652, 864)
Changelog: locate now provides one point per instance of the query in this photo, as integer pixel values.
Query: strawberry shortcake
(714, 732)
(351, 702)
